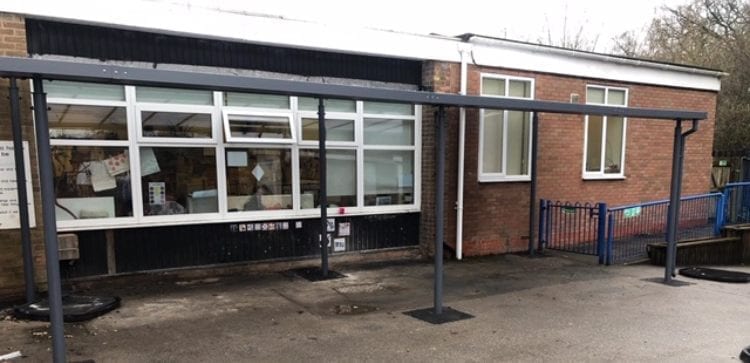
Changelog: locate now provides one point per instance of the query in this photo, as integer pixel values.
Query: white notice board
(8, 188)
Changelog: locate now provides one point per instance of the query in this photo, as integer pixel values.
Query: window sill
(503, 179)
(604, 177)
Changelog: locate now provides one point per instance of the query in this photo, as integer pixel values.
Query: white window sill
(604, 177)
(503, 179)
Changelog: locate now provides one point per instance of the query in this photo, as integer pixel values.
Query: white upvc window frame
(241, 112)
(601, 175)
(488, 177)
(126, 144)
(177, 108)
(217, 111)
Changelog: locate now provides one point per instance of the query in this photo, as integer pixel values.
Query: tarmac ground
(558, 308)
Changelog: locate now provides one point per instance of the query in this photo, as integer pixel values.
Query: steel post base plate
(449, 315)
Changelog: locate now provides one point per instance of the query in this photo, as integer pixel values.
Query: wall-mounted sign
(9, 189)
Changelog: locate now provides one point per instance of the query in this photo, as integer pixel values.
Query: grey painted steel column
(23, 201)
(46, 176)
(674, 202)
(532, 192)
(323, 187)
(439, 206)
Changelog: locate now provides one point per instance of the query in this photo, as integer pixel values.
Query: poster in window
(157, 193)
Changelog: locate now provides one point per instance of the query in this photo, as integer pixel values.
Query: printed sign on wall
(9, 189)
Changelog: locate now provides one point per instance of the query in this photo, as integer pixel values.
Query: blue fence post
(601, 232)
(721, 205)
(542, 224)
(610, 239)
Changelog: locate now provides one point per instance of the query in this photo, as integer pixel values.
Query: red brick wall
(496, 214)
(13, 44)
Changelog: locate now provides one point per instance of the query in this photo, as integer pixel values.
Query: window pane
(594, 145)
(518, 143)
(493, 86)
(594, 95)
(259, 179)
(336, 130)
(92, 91)
(616, 97)
(176, 124)
(178, 180)
(492, 141)
(260, 127)
(389, 177)
(383, 108)
(389, 132)
(87, 122)
(519, 89)
(256, 100)
(341, 168)
(311, 104)
(91, 182)
(173, 95)
(613, 148)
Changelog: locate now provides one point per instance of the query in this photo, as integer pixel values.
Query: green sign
(632, 212)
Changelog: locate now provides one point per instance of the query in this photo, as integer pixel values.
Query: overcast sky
(526, 20)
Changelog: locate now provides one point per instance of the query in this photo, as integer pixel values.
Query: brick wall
(496, 214)
(13, 44)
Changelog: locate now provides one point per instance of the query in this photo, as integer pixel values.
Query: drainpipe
(463, 48)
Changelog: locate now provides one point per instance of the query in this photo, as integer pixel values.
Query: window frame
(219, 143)
(258, 112)
(490, 177)
(601, 175)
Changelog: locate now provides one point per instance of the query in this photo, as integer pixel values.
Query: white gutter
(463, 49)
(509, 54)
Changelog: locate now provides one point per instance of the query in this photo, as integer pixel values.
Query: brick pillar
(445, 78)
(13, 44)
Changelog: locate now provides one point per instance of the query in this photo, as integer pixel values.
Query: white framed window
(185, 158)
(505, 136)
(604, 136)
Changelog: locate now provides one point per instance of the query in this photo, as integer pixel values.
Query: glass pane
(594, 145)
(176, 124)
(260, 127)
(178, 180)
(389, 132)
(492, 142)
(259, 179)
(311, 104)
(493, 86)
(91, 182)
(174, 95)
(518, 143)
(256, 100)
(594, 95)
(336, 130)
(384, 108)
(87, 122)
(519, 89)
(341, 169)
(616, 97)
(613, 148)
(389, 177)
(91, 91)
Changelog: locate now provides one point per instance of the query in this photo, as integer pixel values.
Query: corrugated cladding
(97, 42)
(142, 249)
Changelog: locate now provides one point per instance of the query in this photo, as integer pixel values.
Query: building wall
(13, 44)
(496, 214)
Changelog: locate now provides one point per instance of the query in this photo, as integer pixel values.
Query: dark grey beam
(62, 70)
(23, 202)
(46, 180)
(439, 207)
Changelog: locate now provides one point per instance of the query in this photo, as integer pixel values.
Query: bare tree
(713, 34)
(566, 38)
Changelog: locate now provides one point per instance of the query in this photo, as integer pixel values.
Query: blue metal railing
(737, 203)
(631, 228)
(621, 234)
